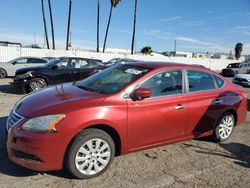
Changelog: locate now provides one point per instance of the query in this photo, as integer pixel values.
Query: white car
(242, 79)
(9, 68)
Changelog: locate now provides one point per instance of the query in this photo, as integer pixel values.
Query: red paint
(140, 124)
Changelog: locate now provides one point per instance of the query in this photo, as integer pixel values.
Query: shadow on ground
(5, 89)
(239, 153)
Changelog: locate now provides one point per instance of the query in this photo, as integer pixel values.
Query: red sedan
(123, 109)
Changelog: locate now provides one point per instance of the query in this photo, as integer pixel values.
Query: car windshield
(235, 65)
(114, 79)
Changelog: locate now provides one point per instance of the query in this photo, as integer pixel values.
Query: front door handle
(217, 101)
(179, 107)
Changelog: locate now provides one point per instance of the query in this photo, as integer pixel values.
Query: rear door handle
(179, 107)
(217, 101)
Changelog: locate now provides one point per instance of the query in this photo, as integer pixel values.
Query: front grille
(13, 119)
(227, 71)
(241, 79)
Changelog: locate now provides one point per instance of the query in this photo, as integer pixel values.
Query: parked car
(236, 68)
(61, 70)
(117, 61)
(49, 58)
(242, 79)
(125, 108)
(9, 68)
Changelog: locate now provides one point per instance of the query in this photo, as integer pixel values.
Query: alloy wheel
(226, 126)
(93, 156)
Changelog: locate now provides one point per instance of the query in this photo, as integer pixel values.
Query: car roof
(157, 65)
(79, 58)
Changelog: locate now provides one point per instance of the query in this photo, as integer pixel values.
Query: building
(180, 54)
(10, 44)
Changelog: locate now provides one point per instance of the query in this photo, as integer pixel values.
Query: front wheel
(3, 73)
(90, 154)
(225, 126)
(36, 84)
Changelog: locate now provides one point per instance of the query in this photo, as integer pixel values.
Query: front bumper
(18, 87)
(36, 151)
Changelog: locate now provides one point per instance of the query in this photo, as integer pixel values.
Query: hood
(27, 69)
(244, 76)
(56, 100)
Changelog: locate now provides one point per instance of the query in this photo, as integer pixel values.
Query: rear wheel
(3, 73)
(225, 126)
(36, 84)
(90, 154)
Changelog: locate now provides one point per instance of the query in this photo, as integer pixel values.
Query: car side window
(83, 64)
(22, 61)
(63, 64)
(220, 82)
(200, 81)
(38, 61)
(165, 83)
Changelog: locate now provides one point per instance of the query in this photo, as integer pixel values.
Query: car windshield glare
(114, 79)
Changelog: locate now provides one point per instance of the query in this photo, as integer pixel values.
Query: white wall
(8, 53)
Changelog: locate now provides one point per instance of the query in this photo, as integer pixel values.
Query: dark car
(117, 61)
(61, 70)
(126, 108)
(231, 70)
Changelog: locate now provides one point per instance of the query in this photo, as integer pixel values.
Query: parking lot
(196, 163)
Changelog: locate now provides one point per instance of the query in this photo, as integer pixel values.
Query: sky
(196, 25)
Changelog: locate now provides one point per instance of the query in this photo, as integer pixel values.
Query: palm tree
(68, 29)
(52, 25)
(113, 3)
(147, 50)
(45, 25)
(238, 50)
(133, 38)
(98, 25)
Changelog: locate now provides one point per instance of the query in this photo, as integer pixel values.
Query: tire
(236, 72)
(82, 159)
(3, 73)
(36, 84)
(224, 127)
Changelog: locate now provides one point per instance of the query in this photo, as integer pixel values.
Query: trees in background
(134, 26)
(44, 24)
(147, 50)
(68, 28)
(52, 25)
(238, 50)
(98, 26)
(113, 3)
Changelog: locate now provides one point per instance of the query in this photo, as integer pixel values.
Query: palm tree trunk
(107, 30)
(68, 29)
(98, 25)
(52, 25)
(45, 25)
(133, 38)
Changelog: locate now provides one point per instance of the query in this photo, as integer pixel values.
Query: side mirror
(143, 93)
(54, 67)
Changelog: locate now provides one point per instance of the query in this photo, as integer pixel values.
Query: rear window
(200, 81)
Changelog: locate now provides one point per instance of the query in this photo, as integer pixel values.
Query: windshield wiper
(88, 89)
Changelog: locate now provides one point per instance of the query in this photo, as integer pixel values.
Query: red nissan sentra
(123, 109)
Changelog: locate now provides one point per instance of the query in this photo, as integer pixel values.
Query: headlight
(43, 123)
(23, 76)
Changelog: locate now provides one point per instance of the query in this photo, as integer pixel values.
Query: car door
(60, 72)
(160, 118)
(205, 102)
